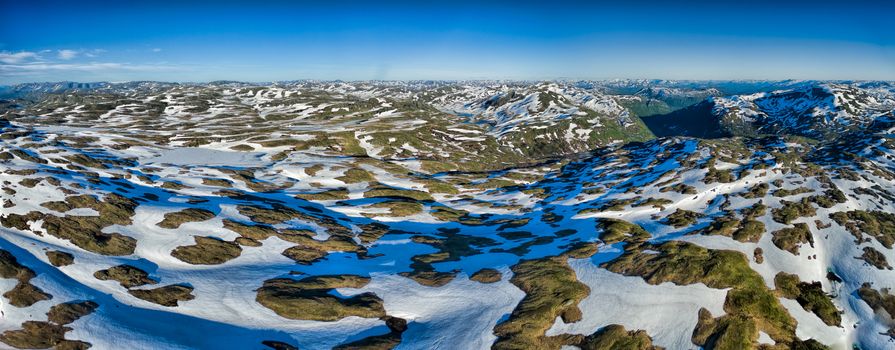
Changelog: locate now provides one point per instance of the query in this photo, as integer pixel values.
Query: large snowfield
(334, 211)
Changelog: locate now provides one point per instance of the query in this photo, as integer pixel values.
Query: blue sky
(278, 40)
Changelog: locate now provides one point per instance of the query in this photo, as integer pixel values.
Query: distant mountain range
(621, 214)
(816, 109)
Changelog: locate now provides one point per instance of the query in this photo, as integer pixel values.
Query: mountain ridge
(322, 215)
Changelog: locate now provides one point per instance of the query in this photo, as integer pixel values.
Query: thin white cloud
(94, 52)
(88, 67)
(18, 57)
(156, 50)
(67, 54)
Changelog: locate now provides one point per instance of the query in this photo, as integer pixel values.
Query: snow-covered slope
(416, 215)
(824, 110)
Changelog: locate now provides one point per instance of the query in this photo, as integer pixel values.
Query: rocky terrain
(624, 214)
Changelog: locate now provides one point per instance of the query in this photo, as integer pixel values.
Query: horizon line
(448, 80)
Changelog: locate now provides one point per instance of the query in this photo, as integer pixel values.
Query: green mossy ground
(792, 210)
(387, 192)
(398, 208)
(786, 193)
(126, 275)
(168, 295)
(86, 232)
(50, 334)
(173, 220)
(450, 246)
(486, 275)
(386, 341)
(749, 305)
(810, 295)
(23, 294)
(310, 299)
(207, 251)
(41, 335)
(882, 302)
(328, 195)
(66, 313)
(757, 191)
(551, 290)
(616, 337)
(614, 231)
(875, 258)
(59, 258)
(658, 203)
(714, 175)
(791, 238)
(679, 188)
(681, 218)
(881, 299)
(877, 224)
(216, 182)
(746, 230)
(356, 175)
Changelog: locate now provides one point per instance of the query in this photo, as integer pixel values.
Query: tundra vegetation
(329, 206)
